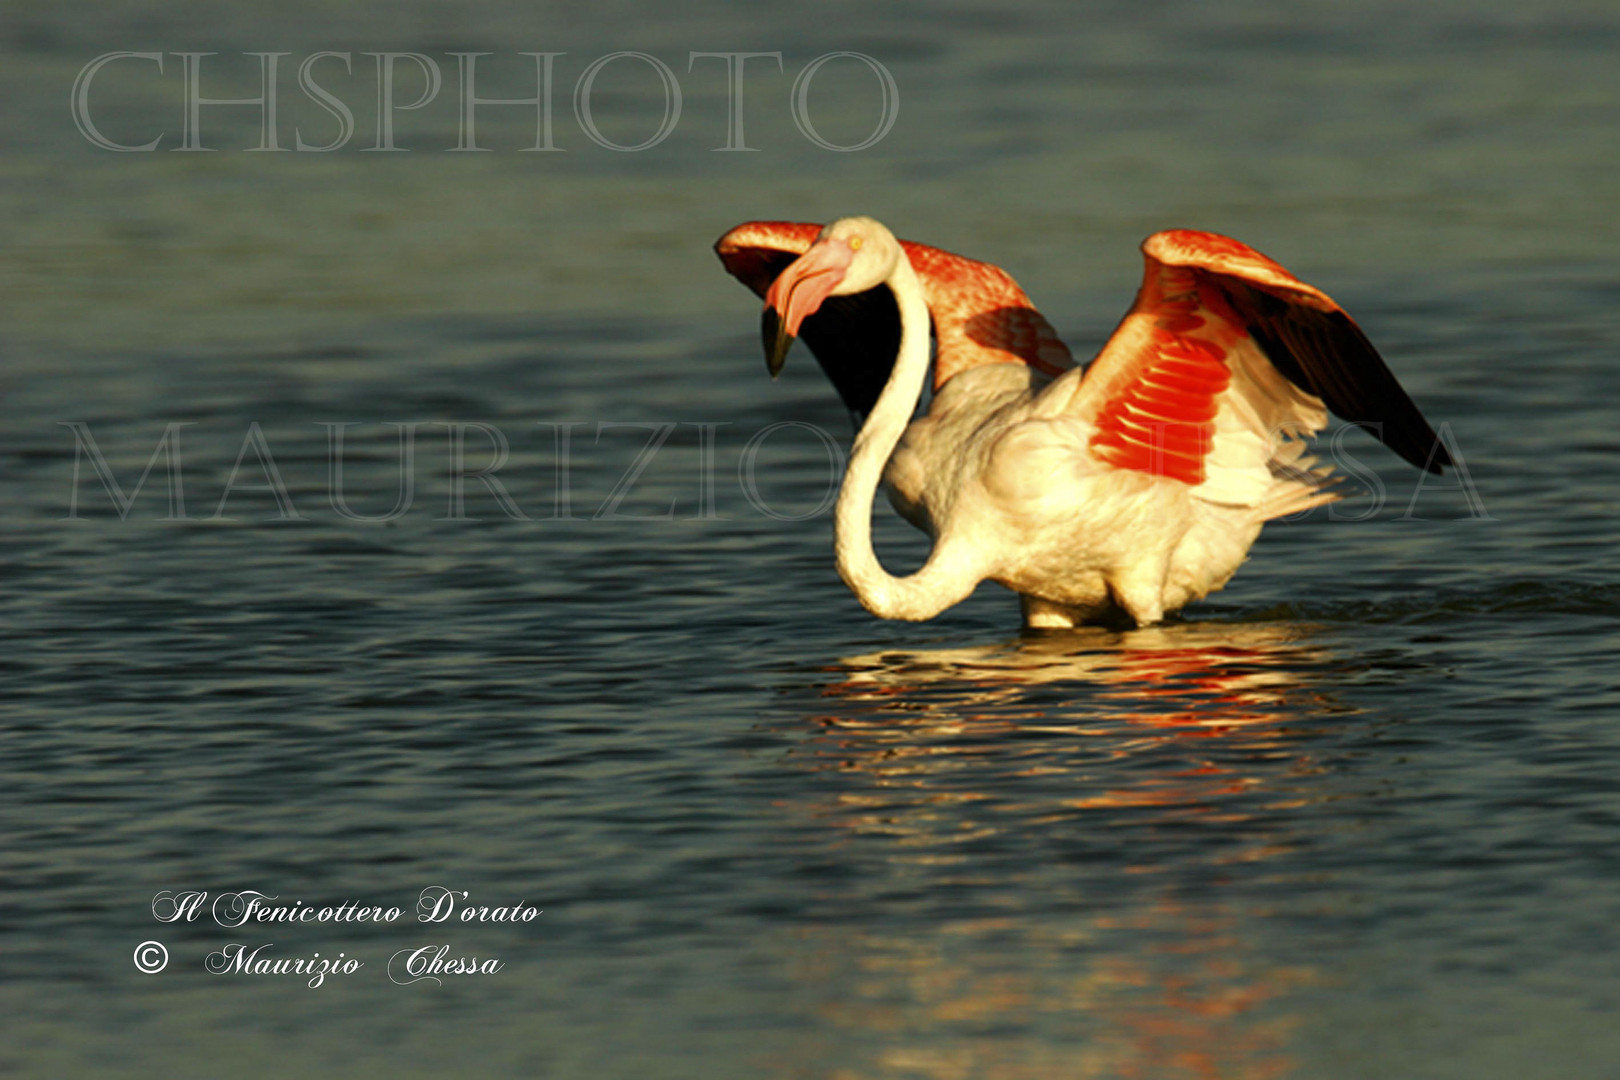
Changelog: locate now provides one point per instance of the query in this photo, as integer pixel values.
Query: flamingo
(1118, 492)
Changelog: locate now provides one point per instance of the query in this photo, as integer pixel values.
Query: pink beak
(798, 292)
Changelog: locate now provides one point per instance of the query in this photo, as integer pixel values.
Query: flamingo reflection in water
(1069, 812)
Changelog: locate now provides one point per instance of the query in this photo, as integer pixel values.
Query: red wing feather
(1163, 420)
(1156, 390)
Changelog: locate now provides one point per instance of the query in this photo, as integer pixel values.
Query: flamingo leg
(1138, 587)
(1044, 615)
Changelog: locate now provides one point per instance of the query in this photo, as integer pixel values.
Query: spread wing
(980, 315)
(1222, 363)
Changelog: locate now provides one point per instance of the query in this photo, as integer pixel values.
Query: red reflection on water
(942, 748)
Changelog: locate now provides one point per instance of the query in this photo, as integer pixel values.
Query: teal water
(1354, 816)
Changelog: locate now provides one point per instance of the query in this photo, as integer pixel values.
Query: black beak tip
(776, 339)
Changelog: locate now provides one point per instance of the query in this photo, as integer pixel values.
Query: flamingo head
(851, 255)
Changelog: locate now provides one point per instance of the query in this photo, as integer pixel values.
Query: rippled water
(1355, 816)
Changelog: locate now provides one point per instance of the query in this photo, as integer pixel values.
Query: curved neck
(944, 579)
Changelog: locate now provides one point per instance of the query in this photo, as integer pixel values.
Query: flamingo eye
(854, 243)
